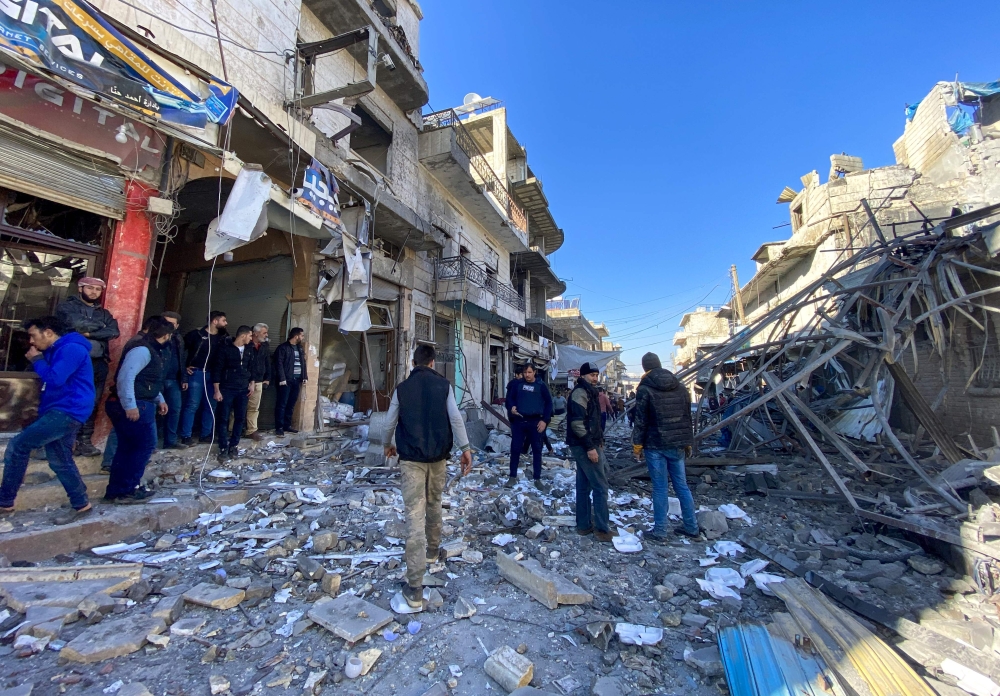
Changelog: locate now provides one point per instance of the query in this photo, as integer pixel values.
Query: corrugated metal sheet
(34, 166)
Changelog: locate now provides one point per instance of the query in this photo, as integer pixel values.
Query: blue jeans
(661, 464)
(236, 404)
(591, 481)
(136, 442)
(55, 431)
(525, 430)
(172, 395)
(284, 405)
(198, 398)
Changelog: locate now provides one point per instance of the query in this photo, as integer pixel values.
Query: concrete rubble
(280, 591)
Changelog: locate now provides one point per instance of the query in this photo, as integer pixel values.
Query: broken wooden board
(349, 617)
(110, 639)
(551, 589)
(21, 595)
(71, 573)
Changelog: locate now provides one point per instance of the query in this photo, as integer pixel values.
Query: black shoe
(414, 596)
(279, 432)
(205, 440)
(85, 449)
(187, 441)
(73, 515)
(654, 536)
(105, 468)
(680, 531)
(291, 430)
(585, 532)
(223, 454)
(177, 446)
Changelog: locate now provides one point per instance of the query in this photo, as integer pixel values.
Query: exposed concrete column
(500, 144)
(307, 312)
(128, 278)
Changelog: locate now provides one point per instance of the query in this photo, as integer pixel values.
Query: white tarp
(571, 358)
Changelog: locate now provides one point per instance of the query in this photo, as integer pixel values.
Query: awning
(571, 358)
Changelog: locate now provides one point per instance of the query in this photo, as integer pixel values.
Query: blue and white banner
(319, 192)
(71, 40)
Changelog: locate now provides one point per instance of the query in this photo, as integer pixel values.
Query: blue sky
(664, 131)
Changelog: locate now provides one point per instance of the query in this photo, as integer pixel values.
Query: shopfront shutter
(35, 166)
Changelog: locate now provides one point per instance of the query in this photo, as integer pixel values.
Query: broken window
(797, 218)
(422, 327)
(371, 141)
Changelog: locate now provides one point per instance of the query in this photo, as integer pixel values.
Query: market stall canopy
(571, 358)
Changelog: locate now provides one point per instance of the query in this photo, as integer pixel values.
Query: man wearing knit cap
(84, 314)
(662, 417)
(585, 438)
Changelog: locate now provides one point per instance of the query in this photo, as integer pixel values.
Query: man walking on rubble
(232, 382)
(84, 314)
(136, 397)
(605, 403)
(663, 430)
(423, 424)
(585, 438)
(200, 345)
(529, 404)
(61, 359)
(261, 374)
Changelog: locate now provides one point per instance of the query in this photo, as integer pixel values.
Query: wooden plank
(911, 395)
(131, 571)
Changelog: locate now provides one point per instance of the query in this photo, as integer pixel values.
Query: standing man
(175, 382)
(290, 371)
(585, 438)
(529, 404)
(662, 428)
(424, 422)
(84, 314)
(136, 397)
(261, 375)
(61, 359)
(200, 344)
(605, 403)
(232, 380)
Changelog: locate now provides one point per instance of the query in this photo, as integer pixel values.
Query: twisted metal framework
(458, 267)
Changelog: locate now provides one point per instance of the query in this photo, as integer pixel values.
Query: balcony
(464, 285)
(405, 85)
(531, 197)
(536, 263)
(545, 327)
(451, 155)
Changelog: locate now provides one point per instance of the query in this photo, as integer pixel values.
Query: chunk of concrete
(134, 689)
(349, 617)
(110, 639)
(534, 509)
(310, 568)
(169, 609)
(453, 548)
(695, 620)
(214, 596)
(324, 540)
(471, 556)
(551, 589)
(599, 633)
(607, 686)
(218, 684)
(21, 595)
(258, 590)
(924, 565)
(464, 608)
(21, 690)
(97, 603)
(708, 661)
(187, 627)
(509, 669)
(368, 659)
(713, 523)
(535, 531)
(662, 593)
(331, 584)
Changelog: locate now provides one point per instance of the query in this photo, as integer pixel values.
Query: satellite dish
(471, 98)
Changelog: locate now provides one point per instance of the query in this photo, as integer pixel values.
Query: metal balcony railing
(459, 267)
(448, 118)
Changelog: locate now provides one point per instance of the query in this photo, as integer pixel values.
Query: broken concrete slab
(349, 617)
(708, 661)
(187, 627)
(368, 659)
(22, 690)
(134, 689)
(464, 608)
(453, 548)
(213, 596)
(331, 584)
(925, 565)
(21, 595)
(169, 609)
(509, 669)
(110, 639)
(551, 589)
(310, 568)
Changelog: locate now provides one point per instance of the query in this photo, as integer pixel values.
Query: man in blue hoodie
(61, 359)
(529, 406)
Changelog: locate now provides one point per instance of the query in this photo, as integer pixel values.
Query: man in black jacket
(200, 346)
(290, 371)
(585, 438)
(529, 407)
(232, 379)
(175, 382)
(261, 377)
(423, 423)
(84, 314)
(663, 429)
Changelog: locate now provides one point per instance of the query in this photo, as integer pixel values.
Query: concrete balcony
(530, 196)
(463, 285)
(452, 157)
(405, 85)
(541, 271)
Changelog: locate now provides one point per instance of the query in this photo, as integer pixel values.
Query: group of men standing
(209, 377)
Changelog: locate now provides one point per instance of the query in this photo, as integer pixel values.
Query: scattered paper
(751, 567)
(503, 539)
(733, 512)
(635, 634)
(728, 548)
(969, 679)
(626, 542)
(762, 580)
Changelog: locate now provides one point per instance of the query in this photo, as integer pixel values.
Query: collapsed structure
(868, 341)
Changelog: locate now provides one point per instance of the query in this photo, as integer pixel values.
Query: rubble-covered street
(282, 591)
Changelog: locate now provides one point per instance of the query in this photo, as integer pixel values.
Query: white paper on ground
(751, 567)
(718, 590)
(727, 576)
(635, 634)
(734, 512)
(503, 539)
(728, 548)
(626, 542)
(761, 580)
(969, 679)
(673, 506)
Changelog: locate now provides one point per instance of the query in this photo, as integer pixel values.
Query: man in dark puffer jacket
(663, 428)
(585, 438)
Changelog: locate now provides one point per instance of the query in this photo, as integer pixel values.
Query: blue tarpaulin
(959, 119)
(981, 89)
(911, 110)
(70, 39)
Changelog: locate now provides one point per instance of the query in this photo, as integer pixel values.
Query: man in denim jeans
(662, 416)
(61, 359)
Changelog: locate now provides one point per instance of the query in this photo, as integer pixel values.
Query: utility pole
(737, 300)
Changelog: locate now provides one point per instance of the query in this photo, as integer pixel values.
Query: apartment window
(422, 327)
(989, 374)
(371, 141)
(797, 218)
